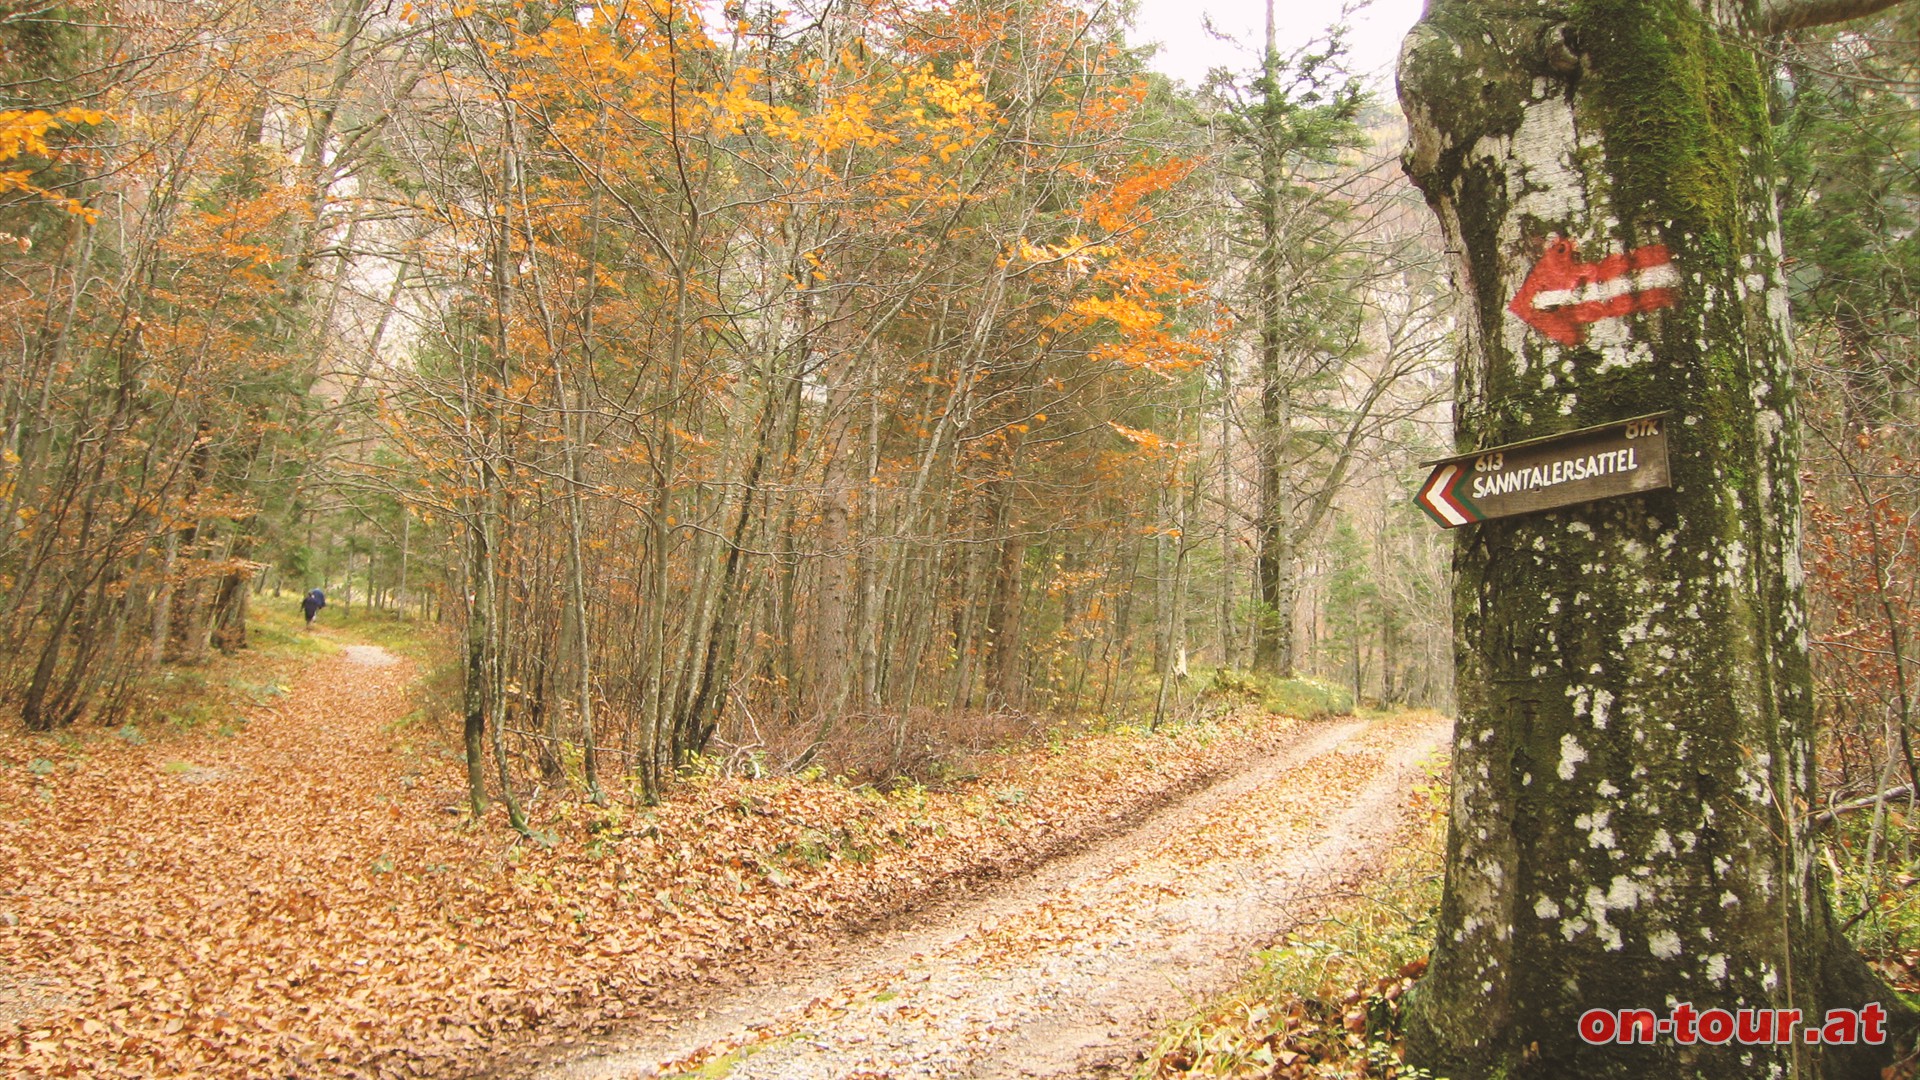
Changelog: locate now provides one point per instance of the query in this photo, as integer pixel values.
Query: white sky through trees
(1188, 51)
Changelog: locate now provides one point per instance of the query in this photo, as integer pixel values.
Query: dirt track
(1068, 971)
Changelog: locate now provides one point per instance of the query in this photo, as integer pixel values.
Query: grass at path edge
(1325, 1001)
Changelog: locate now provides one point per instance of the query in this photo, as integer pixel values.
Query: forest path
(185, 882)
(1070, 970)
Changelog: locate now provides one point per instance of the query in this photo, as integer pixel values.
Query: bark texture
(1634, 750)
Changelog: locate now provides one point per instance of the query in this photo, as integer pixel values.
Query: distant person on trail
(312, 604)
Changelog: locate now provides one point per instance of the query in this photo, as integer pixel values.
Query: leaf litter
(1071, 971)
(297, 899)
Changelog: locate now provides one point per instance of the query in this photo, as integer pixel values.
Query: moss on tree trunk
(1634, 751)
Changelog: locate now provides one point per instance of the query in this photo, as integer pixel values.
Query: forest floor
(1072, 970)
(293, 889)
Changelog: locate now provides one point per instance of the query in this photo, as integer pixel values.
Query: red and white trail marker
(1562, 296)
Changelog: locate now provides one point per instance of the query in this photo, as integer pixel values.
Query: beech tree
(1633, 757)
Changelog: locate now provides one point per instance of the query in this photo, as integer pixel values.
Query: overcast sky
(1187, 51)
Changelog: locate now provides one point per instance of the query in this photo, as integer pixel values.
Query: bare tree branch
(1780, 16)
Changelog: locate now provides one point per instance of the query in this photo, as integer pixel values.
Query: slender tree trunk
(966, 648)
(163, 600)
(573, 428)
(474, 700)
(867, 617)
(1634, 751)
(1273, 629)
(1229, 576)
(406, 534)
(1006, 625)
(1174, 627)
(831, 658)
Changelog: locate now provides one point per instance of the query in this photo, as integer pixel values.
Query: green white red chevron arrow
(1444, 495)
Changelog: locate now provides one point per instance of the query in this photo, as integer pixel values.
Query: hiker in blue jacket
(313, 603)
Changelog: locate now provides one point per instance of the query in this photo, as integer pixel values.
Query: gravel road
(1070, 970)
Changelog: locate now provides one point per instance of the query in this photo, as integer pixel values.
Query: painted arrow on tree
(1562, 296)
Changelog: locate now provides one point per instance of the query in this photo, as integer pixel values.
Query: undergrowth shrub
(924, 746)
(1873, 890)
(1301, 696)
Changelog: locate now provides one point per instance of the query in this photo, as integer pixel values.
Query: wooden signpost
(1621, 458)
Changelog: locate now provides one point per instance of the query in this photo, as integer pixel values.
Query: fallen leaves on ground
(1326, 1003)
(1067, 976)
(297, 898)
(1901, 970)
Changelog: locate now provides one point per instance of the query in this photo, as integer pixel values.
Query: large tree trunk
(1634, 750)
(230, 602)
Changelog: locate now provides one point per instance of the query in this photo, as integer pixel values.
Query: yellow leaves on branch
(611, 82)
(958, 96)
(1115, 105)
(24, 132)
(1077, 253)
(1124, 204)
(1140, 437)
(1137, 309)
(941, 114)
(1130, 316)
(1134, 297)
